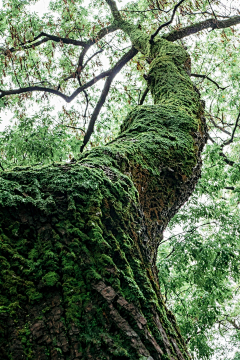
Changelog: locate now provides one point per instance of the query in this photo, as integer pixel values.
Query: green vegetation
(81, 233)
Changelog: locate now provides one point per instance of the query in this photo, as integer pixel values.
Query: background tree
(70, 232)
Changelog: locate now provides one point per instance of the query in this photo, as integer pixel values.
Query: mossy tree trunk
(79, 241)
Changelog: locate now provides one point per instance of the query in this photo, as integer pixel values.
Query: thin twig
(73, 127)
(227, 142)
(167, 23)
(225, 158)
(217, 126)
(203, 13)
(187, 231)
(213, 11)
(90, 58)
(208, 78)
(141, 11)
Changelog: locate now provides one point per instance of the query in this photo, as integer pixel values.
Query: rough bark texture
(79, 242)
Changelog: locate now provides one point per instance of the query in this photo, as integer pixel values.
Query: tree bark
(79, 241)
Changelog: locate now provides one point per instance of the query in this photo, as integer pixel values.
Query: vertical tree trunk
(79, 242)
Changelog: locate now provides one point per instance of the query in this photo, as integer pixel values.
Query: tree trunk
(79, 241)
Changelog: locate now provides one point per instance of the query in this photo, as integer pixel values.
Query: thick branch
(68, 99)
(31, 89)
(195, 28)
(113, 7)
(226, 160)
(128, 56)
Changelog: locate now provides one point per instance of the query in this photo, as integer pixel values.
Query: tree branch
(31, 89)
(187, 231)
(90, 58)
(32, 44)
(144, 96)
(227, 142)
(128, 56)
(212, 10)
(73, 127)
(205, 12)
(47, 38)
(90, 42)
(225, 158)
(68, 99)
(142, 11)
(233, 323)
(217, 126)
(193, 29)
(167, 23)
(113, 7)
(208, 78)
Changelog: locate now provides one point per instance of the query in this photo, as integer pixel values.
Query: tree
(80, 239)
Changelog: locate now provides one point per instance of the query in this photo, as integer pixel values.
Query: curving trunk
(79, 241)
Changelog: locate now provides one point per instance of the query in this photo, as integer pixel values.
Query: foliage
(199, 263)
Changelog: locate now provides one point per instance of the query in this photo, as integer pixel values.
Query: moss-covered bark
(79, 241)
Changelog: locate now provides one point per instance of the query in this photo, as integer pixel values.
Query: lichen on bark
(79, 241)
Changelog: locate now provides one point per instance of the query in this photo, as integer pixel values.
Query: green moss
(64, 228)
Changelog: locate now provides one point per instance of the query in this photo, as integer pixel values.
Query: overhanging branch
(206, 24)
(34, 43)
(117, 67)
